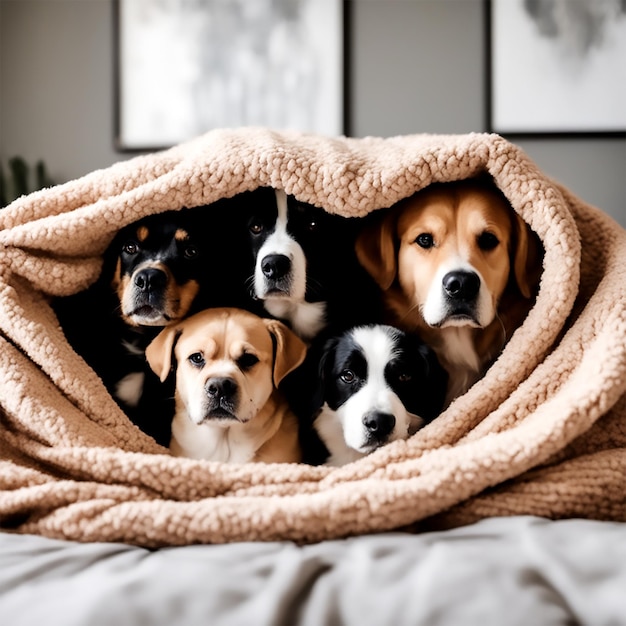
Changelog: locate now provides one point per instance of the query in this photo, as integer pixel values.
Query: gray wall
(416, 66)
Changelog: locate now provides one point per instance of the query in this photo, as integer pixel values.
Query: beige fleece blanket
(543, 433)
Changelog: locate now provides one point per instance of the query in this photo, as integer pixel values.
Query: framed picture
(556, 67)
(184, 67)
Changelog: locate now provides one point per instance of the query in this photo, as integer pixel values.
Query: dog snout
(379, 425)
(275, 266)
(221, 388)
(461, 285)
(150, 279)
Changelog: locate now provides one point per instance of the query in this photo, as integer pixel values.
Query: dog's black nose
(379, 424)
(275, 266)
(461, 285)
(150, 279)
(218, 388)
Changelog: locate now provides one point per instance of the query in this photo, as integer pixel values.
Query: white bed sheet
(523, 571)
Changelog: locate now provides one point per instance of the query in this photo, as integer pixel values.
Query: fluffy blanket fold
(543, 433)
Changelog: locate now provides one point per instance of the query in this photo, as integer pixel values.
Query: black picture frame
(539, 79)
(182, 69)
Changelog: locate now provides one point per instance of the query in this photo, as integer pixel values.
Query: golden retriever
(457, 266)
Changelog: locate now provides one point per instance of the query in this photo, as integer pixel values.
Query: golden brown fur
(228, 364)
(467, 226)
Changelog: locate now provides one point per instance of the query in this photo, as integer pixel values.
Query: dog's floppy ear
(290, 349)
(376, 248)
(160, 351)
(526, 257)
(319, 391)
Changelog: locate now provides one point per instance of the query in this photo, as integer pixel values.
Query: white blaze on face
(281, 242)
(375, 394)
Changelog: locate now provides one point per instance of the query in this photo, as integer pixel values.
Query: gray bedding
(501, 571)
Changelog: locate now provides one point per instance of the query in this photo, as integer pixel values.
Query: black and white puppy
(376, 384)
(302, 267)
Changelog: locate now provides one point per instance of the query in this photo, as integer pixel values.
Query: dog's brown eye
(425, 240)
(196, 359)
(487, 241)
(404, 377)
(131, 247)
(190, 252)
(313, 225)
(256, 228)
(247, 360)
(347, 376)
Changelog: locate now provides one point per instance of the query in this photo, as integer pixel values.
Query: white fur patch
(306, 318)
(215, 442)
(281, 242)
(130, 388)
(330, 429)
(462, 360)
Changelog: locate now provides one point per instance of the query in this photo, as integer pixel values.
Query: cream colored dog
(228, 365)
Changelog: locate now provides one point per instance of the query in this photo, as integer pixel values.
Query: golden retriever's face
(453, 257)
(226, 364)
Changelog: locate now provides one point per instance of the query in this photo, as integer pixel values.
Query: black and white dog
(302, 267)
(376, 384)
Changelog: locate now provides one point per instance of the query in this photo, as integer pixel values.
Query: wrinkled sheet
(515, 571)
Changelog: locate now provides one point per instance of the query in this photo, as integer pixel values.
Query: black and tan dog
(228, 363)
(155, 272)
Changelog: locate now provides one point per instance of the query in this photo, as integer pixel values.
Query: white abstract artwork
(189, 66)
(557, 66)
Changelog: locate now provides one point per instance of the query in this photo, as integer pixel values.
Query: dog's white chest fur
(306, 319)
(210, 441)
(461, 359)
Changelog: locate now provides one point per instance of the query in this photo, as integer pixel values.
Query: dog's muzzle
(149, 286)
(461, 286)
(461, 290)
(379, 426)
(276, 270)
(222, 395)
(150, 279)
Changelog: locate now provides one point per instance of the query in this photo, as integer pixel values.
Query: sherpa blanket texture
(543, 433)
